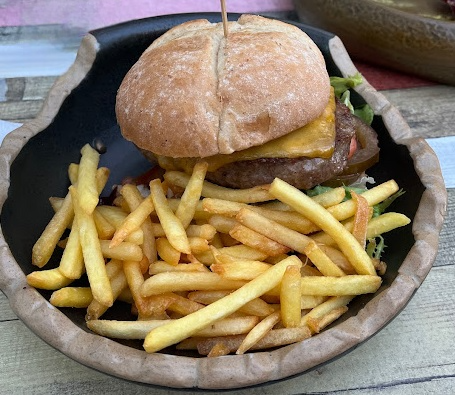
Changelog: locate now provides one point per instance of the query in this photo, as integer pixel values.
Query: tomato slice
(367, 150)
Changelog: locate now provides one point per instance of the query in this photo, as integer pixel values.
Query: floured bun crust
(194, 93)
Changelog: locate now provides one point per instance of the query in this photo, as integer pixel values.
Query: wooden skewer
(224, 17)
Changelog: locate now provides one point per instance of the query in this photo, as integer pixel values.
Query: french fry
(133, 221)
(140, 329)
(238, 251)
(229, 209)
(102, 174)
(45, 245)
(77, 297)
(123, 329)
(258, 332)
(218, 350)
(135, 279)
(73, 171)
(190, 198)
(198, 245)
(257, 241)
(311, 301)
(205, 231)
(290, 297)
(361, 217)
(88, 194)
(322, 261)
(222, 223)
(229, 326)
(339, 286)
(255, 307)
(274, 338)
(318, 313)
(173, 228)
(385, 223)
(377, 226)
(91, 250)
(244, 252)
(316, 325)
(116, 216)
(321, 217)
(186, 281)
(104, 228)
(167, 252)
(338, 258)
(135, 202)
(292, 239)
(330, 198)
(51, 279)
(240, 270)
(250, 195)
(122, 251)
(373, 196)
(184, 306)
(118, 285)
(307, 270)
(189, 325)
(199, 213)
(72, 261)
(161, 267)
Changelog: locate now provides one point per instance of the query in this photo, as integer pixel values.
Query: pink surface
(91, 14)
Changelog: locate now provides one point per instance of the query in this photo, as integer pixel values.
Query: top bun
(194, 93)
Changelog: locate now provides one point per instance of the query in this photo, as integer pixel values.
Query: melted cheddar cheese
(314, 140)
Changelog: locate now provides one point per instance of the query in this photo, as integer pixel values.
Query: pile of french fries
(208, 268)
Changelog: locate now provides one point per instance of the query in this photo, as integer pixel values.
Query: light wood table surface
(414, 354)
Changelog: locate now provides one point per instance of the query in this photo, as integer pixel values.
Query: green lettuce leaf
(342, 86)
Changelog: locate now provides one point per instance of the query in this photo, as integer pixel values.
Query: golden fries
(77, 297)
(189, 325)
(251, 195)
(259, 331)
(191, 195)
(88, 194)
(294, 240)
(93, 256)
(327, 222)
(173, 228)
(51, 279)
(338, 286)
(45, 245)
(140, 207)
(290, 297)
(133, 221)
(72, 262)
(187, 281)
(211, 269)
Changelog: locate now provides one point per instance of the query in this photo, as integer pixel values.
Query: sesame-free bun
(195, 93)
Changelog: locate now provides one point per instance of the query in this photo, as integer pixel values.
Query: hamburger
(256, 105)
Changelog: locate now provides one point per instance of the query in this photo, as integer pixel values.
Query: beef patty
(303, 173)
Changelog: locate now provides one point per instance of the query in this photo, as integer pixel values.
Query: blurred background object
(93, 14)
(413, 36)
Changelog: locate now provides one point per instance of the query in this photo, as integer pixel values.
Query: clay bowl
(80, 109)
(416, 37)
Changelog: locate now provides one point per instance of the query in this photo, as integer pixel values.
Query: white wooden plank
(444, 147)
(428, 110)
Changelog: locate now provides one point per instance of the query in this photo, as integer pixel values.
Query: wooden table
(415, 354)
